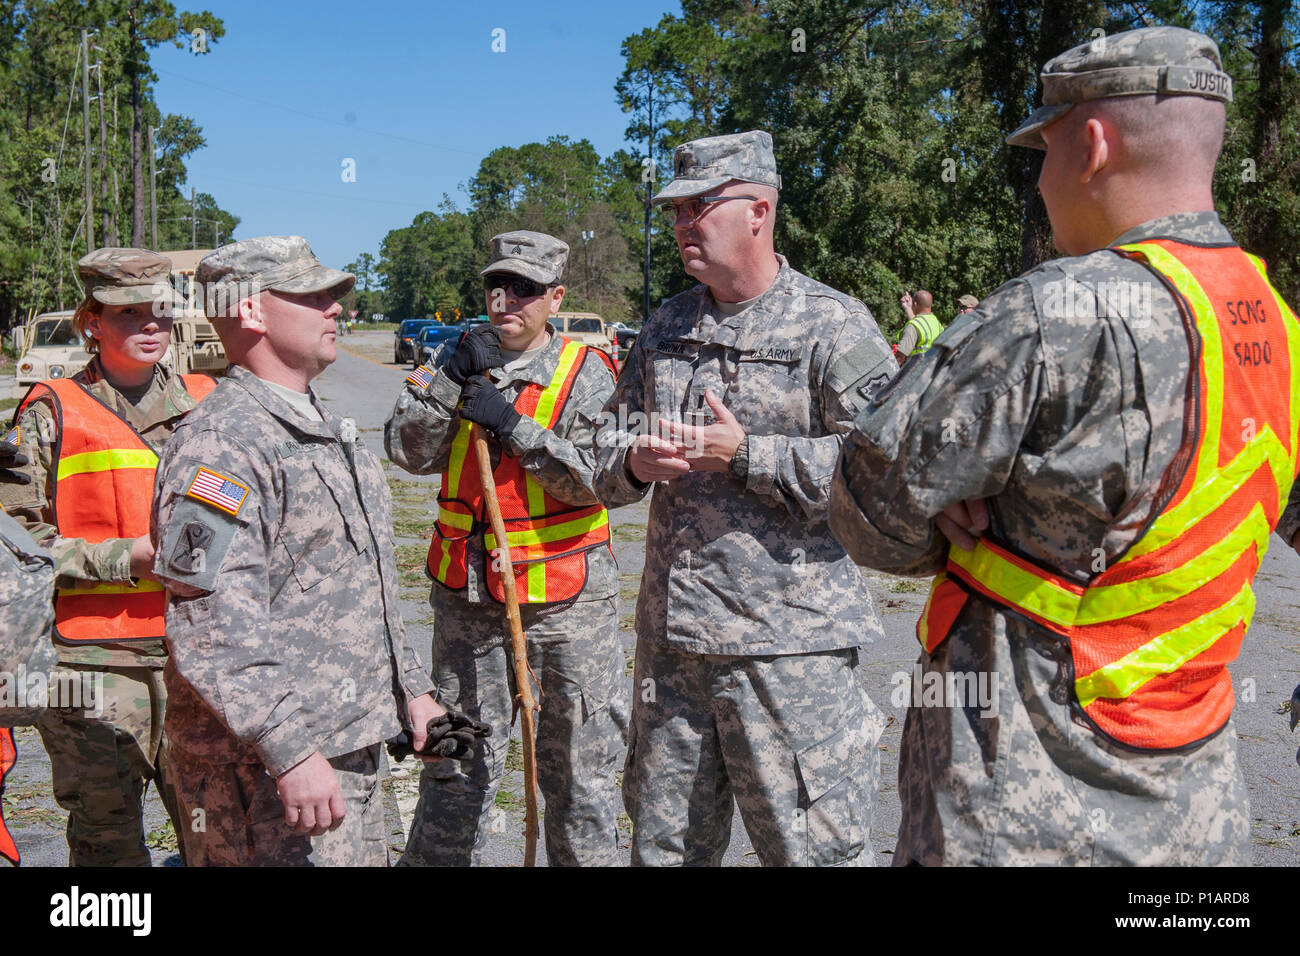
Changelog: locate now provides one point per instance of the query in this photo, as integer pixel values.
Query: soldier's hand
(423, 709)
(483, 403)
(11, 458)
(313, 802)
(707, 447)
(479, 349)
(142, 555)
(963, 522)
(651, 458)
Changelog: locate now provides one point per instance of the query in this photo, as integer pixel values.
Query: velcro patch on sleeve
(220, 491)
(420, 378)
(12, 436)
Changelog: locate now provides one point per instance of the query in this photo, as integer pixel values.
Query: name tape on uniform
(217, 490)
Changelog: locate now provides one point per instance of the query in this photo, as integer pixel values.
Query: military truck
(589, 329)
(195, 347)
(48, 348)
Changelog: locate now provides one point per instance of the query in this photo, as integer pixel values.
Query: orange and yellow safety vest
(1152, 634)
(548, 538)
(103, 489)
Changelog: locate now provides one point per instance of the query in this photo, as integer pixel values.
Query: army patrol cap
(533, 255)
(278, 263)
(968, 301)
(1168, 61)
(705, 164)
(116, 276)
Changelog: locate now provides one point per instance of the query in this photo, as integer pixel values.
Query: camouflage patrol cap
(1169, 61)
(116, 276)
(705, 164)
(275, 263)
(533, 255)
(968, 301)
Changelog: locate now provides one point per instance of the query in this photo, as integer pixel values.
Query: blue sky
(411, 91)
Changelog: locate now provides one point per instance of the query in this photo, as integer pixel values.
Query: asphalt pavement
(363, 384)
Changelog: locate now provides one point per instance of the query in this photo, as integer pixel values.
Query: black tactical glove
(478, 350)
(451, 735)
(10, 458)
(481, 402)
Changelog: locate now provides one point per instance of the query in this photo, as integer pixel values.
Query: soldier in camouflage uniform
(1068, 422)
(102, 762)
(26, 616)
(751, 617)
(572, 643)
(273, 526)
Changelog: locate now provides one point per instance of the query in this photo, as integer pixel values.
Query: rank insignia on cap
(421, 377)
(11, 436)
(214, 488)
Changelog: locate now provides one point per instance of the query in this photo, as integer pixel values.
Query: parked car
(589, 329)
(404, 338)
(431, 338)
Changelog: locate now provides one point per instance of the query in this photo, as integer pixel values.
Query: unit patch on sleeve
(215, 489)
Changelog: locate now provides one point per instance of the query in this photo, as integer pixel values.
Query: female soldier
(92, 443)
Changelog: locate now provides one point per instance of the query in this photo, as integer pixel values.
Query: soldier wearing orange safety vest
(1093, 462)
(538, 396)
(92, 444)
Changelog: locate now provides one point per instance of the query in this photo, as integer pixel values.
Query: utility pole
(153, 195)
(85, 129)
(649, 189)
(194, 221)
(587, 236)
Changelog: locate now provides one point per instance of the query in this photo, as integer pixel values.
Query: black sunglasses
(520, 286)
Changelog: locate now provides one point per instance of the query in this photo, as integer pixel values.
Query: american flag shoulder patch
(12, 436)
(218, 490)
(421, 377)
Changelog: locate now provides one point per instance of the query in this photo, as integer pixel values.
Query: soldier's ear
(250, 313)
(557, 296)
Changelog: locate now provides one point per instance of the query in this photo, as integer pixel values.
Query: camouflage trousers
(234, 816)
(575, 653)
(101, 764)
(793, 737)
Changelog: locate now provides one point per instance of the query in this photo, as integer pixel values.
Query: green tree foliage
(42, 158)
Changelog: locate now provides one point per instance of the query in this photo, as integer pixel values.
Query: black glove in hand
(478, 350)
(451, 735)
(481, 402)
(10, 458)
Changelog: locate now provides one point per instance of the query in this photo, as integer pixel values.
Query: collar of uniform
(281, 409)
(1200, 228)
(544, 363)
(770, 303)
(168, 383)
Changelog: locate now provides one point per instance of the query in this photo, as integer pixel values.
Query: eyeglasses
(523, 288)
(694, 207)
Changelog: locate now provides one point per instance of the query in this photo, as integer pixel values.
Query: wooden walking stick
(519, 647)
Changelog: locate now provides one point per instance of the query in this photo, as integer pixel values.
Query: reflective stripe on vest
(1152, 634)
(104, 489)
(548, 539)
(928, 328)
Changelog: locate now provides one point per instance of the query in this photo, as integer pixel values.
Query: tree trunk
(137, 54)
(1264, 235)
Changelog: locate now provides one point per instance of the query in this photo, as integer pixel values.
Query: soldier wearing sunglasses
(750, 615)
(538, 396)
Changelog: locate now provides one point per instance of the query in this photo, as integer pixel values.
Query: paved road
(363, 384)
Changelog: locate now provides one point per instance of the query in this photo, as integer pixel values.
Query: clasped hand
(681, 448)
